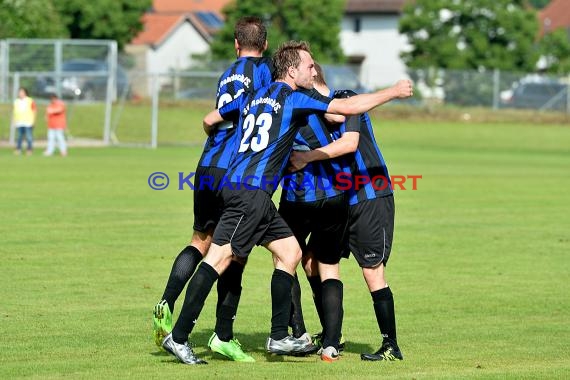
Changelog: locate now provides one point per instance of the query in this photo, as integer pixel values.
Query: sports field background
(480, 267)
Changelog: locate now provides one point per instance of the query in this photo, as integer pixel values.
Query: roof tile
(164, 6)
(554, 16)
(374, 6)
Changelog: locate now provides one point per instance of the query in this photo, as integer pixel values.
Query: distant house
(174, 30)
(370, 38)
(169, 40)
(555, 15)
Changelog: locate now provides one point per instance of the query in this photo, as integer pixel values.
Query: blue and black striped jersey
(368, 161)
(247, 74)
(317, 180)
(269, 119)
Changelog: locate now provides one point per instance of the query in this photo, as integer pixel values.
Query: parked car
(92, 85)
(198, 93)
(337, 78)
(537, 95)
(343, 78)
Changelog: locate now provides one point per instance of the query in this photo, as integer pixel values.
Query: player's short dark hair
(250, 33)
(25, 90)
(287, 55)
(320, 78)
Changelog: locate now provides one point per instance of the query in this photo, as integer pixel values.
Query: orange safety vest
(56, 115)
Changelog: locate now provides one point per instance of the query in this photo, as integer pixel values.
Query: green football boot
(161, 322)
(231, 350)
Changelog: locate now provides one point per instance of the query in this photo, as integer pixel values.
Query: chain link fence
(111, 104)
(85, 73)
(493, 89)
(158, 113)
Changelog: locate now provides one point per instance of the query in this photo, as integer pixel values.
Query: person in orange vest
(56, 122)
(23, 119)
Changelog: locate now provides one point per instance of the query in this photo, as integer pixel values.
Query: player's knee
(219, 257)
(310, 265)
(202, 241)
(293, 258)
(297, 255)
(374, 277)
(240, 260)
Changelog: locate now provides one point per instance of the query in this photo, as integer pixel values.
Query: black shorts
(207, 200)
(325, 220)
(371, 229)
(249, 218)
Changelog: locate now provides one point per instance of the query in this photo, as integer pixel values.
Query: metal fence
(149, 109)
(157, 111)
(166, 122)
(493, 89)
(76, 70)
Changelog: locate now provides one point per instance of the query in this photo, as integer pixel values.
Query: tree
(119, 20)
(469, 34)
(30, 19)
(315, 22)
(555, 48)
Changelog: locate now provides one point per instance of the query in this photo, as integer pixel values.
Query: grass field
(479, 268)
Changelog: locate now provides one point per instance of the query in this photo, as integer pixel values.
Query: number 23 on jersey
(259, 141)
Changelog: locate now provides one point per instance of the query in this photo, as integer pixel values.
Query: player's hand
(403, 88)
(297, 161)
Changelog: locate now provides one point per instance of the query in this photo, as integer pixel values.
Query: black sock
(317, 288)
(385, 316)
(196, 294)
(281, 283)
(332, 312)
(182, 269)
(229, 292)
(296, 320)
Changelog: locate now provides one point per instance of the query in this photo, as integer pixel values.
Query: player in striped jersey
(311, 204)
(269, 119)
(371, 224)
(249, 72)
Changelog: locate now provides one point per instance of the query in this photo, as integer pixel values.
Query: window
(357, 25)
(210, 19)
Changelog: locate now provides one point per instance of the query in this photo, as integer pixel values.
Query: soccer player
(249, 72)
(371, 225)
(312, 204)
(269, 119)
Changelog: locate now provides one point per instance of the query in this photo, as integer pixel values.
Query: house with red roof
(370, 38)
(175, 30)
(556, 15)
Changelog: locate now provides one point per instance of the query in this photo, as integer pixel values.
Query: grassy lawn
(179, 123)
(479, 268)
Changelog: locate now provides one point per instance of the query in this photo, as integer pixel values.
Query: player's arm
(211, 121)
(334, 118)
(346, 144)
(229, 112)
(365, 102)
